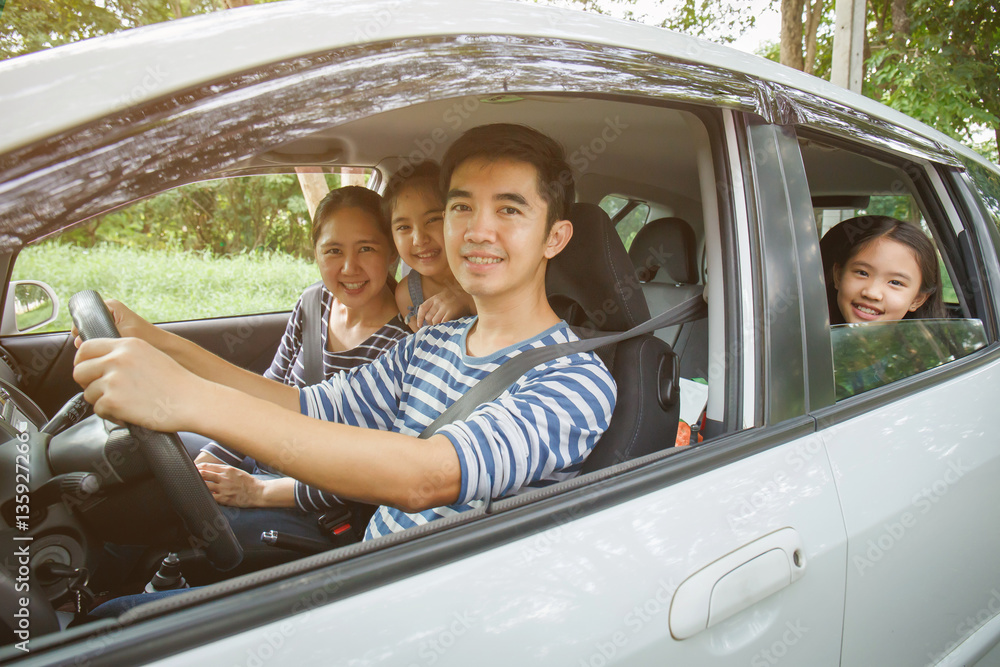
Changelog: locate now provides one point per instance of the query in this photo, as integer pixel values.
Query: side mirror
(30, 305)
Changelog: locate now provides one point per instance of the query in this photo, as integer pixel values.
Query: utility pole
(848, 44)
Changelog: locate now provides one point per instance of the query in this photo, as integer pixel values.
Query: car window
(628, 215)
(845, 184)
(215, 248)
(988, 183)
(868, 356)
(902, 207)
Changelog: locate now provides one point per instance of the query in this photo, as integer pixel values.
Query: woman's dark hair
(523, 144)
(851, 236)
(350, 196)
(426, 174)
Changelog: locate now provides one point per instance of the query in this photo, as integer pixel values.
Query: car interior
(634, 164)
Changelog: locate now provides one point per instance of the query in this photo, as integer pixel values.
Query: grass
(167, 286)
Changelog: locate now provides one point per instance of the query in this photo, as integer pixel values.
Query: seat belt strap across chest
(312, 334)
(502, 377)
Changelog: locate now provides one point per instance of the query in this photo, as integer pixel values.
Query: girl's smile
(417, 230)
(880, 282)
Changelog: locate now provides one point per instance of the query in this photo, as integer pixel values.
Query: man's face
(495, 235)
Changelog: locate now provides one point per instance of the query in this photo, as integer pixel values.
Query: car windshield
(869, 355)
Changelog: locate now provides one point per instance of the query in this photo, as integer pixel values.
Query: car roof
(58, 89)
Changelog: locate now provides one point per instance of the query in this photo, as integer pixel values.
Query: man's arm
(362, 464)
(200, 361)
(538, 433)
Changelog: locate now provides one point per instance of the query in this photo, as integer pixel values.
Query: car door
(916, 461)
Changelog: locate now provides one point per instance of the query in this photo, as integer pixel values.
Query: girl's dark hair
(851, 236)
(426, 174)
(350, 196)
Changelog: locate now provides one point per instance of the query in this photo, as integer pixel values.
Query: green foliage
(33, 25)
(166, 286)
(944, 70)
(721, 21)
(222, 217)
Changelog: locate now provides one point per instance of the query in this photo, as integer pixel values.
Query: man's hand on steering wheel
(116, 375)
(128, 324)
(129, 380)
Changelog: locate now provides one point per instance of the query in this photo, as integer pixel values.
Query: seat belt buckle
(336, 521)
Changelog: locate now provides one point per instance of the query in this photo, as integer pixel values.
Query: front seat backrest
(591, 284)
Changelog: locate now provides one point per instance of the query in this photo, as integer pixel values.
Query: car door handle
(736, 581)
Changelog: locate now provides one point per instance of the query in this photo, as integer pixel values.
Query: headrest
(593, 274)
(668, 244)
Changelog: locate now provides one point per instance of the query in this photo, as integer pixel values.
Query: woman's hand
(448, 304)
(232, 486)
(128, 380)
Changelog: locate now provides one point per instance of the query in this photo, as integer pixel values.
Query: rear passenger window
(628, 216)
(884, 327)
(901, 207)
(988, 183)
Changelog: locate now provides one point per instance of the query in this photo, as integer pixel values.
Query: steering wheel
(166, 456)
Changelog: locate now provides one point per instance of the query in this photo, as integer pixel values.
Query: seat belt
(502, 377)
(312, 336)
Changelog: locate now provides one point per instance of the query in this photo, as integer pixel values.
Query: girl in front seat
(879, 268)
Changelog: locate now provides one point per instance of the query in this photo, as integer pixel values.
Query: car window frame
(937, 216)
(149, 183)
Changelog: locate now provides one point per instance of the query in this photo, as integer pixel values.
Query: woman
(358, 321)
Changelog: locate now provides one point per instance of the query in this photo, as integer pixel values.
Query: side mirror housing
(30, 305)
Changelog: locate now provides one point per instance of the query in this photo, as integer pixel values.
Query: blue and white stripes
(536, 433)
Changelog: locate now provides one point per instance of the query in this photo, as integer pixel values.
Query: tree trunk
(811, 29)
(791, 33)
(900, 22)
(314, 187)
(237, 3)
(353, 176)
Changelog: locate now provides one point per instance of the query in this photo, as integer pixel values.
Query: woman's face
(353, 256)
(418, 230)
(881, 282)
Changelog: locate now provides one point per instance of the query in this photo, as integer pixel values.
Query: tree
(800, 20)
(938, 62)
(33, 25)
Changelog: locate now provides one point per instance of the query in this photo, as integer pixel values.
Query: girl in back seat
(880, 269)
(414, 206)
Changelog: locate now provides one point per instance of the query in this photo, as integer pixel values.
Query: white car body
(854, 533)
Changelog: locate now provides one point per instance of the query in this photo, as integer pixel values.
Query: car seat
(591, 284)
(664, 254)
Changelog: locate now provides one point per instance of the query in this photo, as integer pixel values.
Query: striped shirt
(287, 367)
(538, 432)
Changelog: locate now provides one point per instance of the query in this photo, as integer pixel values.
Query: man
(507, 192)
